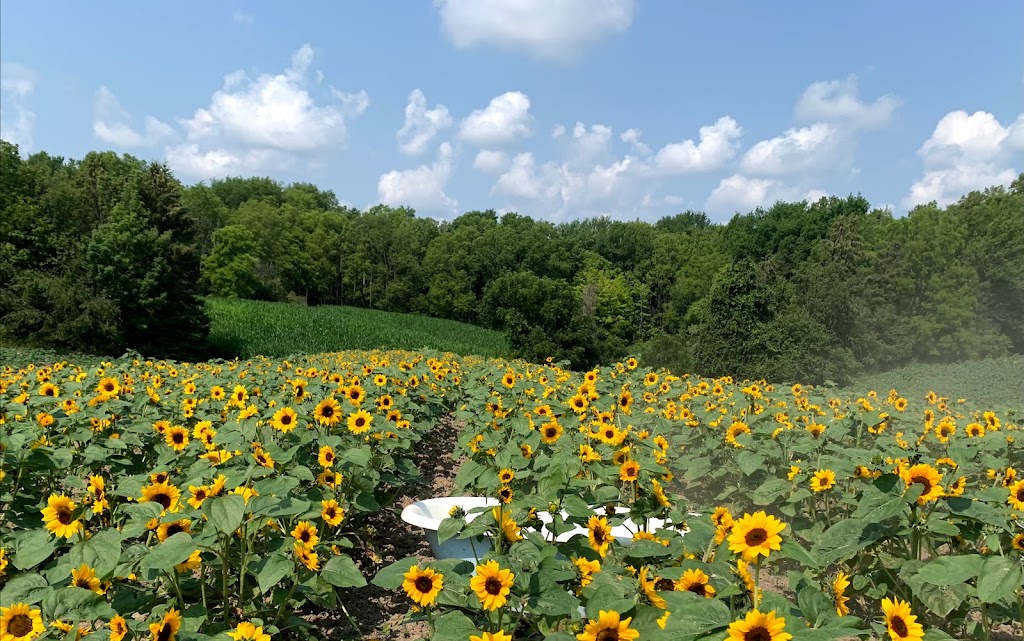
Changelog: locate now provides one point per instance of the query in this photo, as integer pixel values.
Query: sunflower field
(161, 500)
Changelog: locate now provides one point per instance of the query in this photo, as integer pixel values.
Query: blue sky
(557, 109)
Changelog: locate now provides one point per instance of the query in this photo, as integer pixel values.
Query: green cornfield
(246, 328)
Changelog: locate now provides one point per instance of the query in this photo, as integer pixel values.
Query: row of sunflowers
(163, 500)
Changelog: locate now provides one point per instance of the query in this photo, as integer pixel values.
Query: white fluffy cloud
(718, 144)
(739, 193)
(421, 187)
(837, 101)
(490, 161)
(796, 151)
(17, 120)
(421, 124)
(964, 153)
(253, 124)
(506, 119)
(558, 30)
(112, 124)
(586, 144)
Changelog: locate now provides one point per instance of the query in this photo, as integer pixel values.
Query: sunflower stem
(757, 582)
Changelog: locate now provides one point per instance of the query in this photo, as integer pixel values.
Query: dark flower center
(286, 419)
(757, 536)
(166, 633)
(550, 432)
(360, 421)
(82, 582)
(599, 535)
(1020, 494)
(898, 626)
(698, 588)
(607, 635)
(328, 411)
(493, 586)
(758, 633)
(923, 481)
(178, 437)
(163, 499)
(330, 514)
(424, 584)
(20, 625)
(174, 528)
(664, 584)
(63, 515)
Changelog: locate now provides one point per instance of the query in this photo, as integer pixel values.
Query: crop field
(984, 382)
(246, 328)
(232, 499)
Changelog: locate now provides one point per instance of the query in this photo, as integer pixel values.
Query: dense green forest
(111, 252)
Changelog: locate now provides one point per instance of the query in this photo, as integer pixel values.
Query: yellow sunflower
(199, 494)
(1016, 498)
(359, 422)
(167, 628)
(509, 528)
(423, 586)
(176, 437)
(629, 471)
(901, 623)
(332, 513)
(649, 586)
(305, 533)
(550, 432)
(118, 628)
(171, 528)
(926, 476)
(600, 534)
(839, 585)
(1018, 542)
(59, 516)
(491, 636)
(697, 582)
(164, 493)
(757, 626)
(506, 476)
(587, 569)
(307, 556)
(85, 577)
(327, 412)
(608, 627)
(823, 480)
(284, 420)
(20, 623)
(326, 456)
(756, 534)
(492, 584)
(246, 631)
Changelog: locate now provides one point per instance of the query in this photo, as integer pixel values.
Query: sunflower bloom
(331, 512)
(167, 495)
(608, 626)
(756, 534)
(599, 533)
(759, 627)
(491, 636)
(85, 577)
(903, 625)
(423, 586)
(58, 516)
(697, 582)
(360, 422)
(118, 628)
(926, 476)
(305, 533)
(492, 584)
(823, 480)
(246, 631)
(839, 585)
(1016, 498)
(20, 623)
(167, 628)
(328, 412)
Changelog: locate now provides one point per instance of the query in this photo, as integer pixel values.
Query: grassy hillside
(995, 382)
(246, 328)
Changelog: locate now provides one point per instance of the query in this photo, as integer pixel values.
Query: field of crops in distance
(247, 328)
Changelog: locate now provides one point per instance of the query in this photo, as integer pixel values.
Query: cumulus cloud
(796, 151)
(506, 119)
(718, 144)
(271, 121)
(585, 144)
(421, 124)
(421, 187)
(966, 152)
(490, 161)
(557, 30)
(112, 124)
(17, 120)
(837, 101)
(739, 193)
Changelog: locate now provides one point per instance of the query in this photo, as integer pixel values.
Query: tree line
(111, 252)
